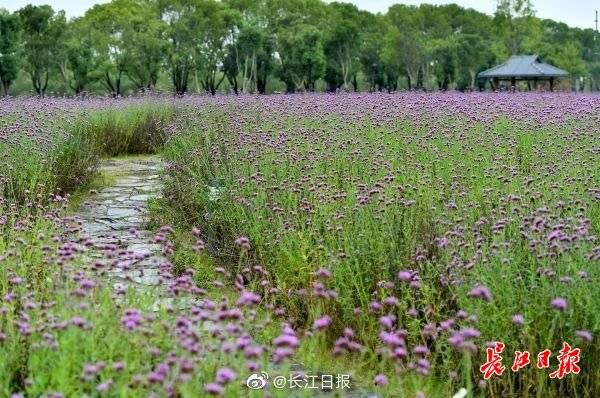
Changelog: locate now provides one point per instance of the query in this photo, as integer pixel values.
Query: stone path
(114, 219)
(113, 222)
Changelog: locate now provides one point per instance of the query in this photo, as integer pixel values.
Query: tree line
(256, 46)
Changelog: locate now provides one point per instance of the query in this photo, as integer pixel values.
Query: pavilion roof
(523, 66)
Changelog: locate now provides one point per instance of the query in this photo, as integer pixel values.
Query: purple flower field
(393, 238)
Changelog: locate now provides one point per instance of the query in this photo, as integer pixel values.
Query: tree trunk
(261, 83)
(290, 87)
(245, 74)
(196, 85)
(254, 72)
(234, 84)
(108, 83)
(345, 65)
(118, 83)
(36, 81)
(216, 86)
(179, 76)
(420, 78)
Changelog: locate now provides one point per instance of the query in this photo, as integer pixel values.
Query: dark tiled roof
(523, 66)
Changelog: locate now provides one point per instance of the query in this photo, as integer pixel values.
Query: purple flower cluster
(390, 228)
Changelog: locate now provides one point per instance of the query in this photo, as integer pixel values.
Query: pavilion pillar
(513, 84)
(551, 84)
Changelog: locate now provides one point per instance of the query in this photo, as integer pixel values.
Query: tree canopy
(260, 46)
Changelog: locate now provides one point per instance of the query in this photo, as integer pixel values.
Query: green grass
(32, 171)
(30, 175)
(300, 205)
(364, 245)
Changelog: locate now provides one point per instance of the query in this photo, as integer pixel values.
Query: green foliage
(302, 58)
(42, 32)
(179, 30)
(135, 130)
(71, 161)
(9, 31)
(251, 56)
(78, 65)
(472, 52)
(126, 37)
(214, 22)
(342, 45)
(365, 246)
(516, 25)
(238, 45)
(405, 44)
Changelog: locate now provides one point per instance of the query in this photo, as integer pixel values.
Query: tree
(214, 24)
(371, 55)
(230, 67)
(76, 64)
(143, 46)
(405, 50)
(200, 35)
(126, 35)
(294, 25)
(128, 43)
(106, 38)
(405, 43)
(253, 55)
(9, 35)
(568, 57)
(445, 53)
(180, 18)
(515, 22)
(283, 15)
(342, 45)
(42, 33)
(589, 40)
(302, 58)
(474, 54)
(264, 62)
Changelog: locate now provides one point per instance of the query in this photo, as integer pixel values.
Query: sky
(578, 13)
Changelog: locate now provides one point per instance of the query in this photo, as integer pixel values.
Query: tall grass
(455, 201)
(36, 282)
(410, 203)
(34, 168)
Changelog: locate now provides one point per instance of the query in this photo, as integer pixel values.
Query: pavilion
(522, 67)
